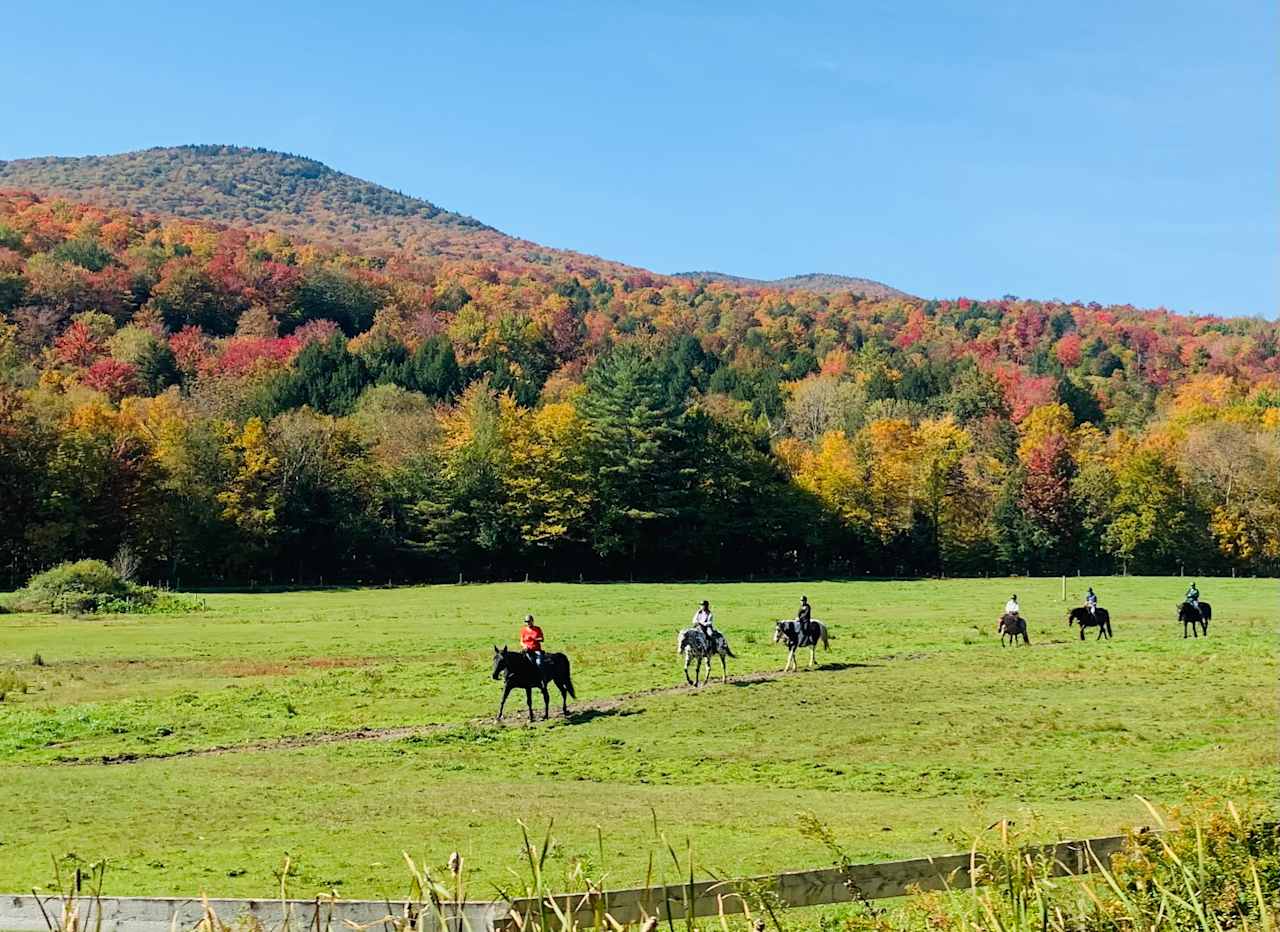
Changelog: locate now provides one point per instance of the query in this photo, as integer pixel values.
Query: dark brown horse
(1099, 618)
(1189, 614)
(1012, 626)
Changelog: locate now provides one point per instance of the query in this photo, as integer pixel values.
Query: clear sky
(1110, 151)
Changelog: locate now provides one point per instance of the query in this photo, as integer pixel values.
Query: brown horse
(1012, 626)
(1100, 619)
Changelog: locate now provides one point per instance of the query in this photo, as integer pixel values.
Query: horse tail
(729, 651)
(826, 643)
(568, 681)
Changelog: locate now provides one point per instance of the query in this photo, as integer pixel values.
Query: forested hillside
(240, 186)
(236, 404)
(816, 282)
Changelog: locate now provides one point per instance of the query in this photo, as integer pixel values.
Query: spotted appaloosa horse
(1012, 626)
(692, 644)
(521, 672)
(1188, 614)
(1100, 619)
(795, 636)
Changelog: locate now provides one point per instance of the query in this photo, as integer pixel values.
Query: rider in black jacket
(804, 615)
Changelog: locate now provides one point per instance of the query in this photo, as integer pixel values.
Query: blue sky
(1119, 152)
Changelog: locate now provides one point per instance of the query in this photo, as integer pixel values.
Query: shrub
(10, 682)
(91, 586)
(1218, 868)
(70, 588)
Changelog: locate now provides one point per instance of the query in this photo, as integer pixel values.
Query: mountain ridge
(816, 282)
(242, 185)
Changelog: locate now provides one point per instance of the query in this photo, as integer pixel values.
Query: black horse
(1188, 615)
(1012, 626)
(1099, 618)
(521, 672)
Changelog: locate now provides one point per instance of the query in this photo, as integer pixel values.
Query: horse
(1099, 618)
(521, 672)
(1188, 614)
(796, 635)
(1011, 626)
(692, 645)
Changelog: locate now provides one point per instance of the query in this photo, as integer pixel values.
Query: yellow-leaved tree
(548, 486)
(251, 499)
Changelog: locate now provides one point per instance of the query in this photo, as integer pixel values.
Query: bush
(70, 588)
(1217, 868)
(10, 682)
(93, 587)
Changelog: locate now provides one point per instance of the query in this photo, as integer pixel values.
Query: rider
(1091, 601)
(704, 621)
(1011, 607)
(1193, 597)
(804, 615)
(531, 641)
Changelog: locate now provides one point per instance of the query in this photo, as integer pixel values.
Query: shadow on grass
(837, 667)
(590, 715)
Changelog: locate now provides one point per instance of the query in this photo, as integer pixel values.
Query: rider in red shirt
(531, 640)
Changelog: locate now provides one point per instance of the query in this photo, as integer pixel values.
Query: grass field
(919, 727)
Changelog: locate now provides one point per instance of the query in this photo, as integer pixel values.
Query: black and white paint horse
(521, 672)
(1012, 626)
(1099, 618)
(692, 644)
(1189, 614)
(796, 635)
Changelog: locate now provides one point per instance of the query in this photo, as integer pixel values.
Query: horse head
(780, 632)
(499, 660)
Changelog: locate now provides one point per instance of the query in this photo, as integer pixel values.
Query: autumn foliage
(239, 405)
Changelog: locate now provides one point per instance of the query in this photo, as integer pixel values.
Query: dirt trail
(516, 716)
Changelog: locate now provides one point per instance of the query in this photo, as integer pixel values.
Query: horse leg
(724, 669)
(564, 699)
(686, 670)
(813, 653)
(503, 704)
(546, 703)
(528, 699)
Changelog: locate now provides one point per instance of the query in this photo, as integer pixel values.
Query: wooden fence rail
(24, 913)
(800, 888)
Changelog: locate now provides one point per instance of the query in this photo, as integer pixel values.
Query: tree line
(234, 406)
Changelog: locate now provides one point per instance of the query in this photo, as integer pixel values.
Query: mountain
(814, 282)
(257, 187)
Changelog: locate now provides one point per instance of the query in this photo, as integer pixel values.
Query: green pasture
(918, 728)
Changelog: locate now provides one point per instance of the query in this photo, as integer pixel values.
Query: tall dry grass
(1209, 866)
